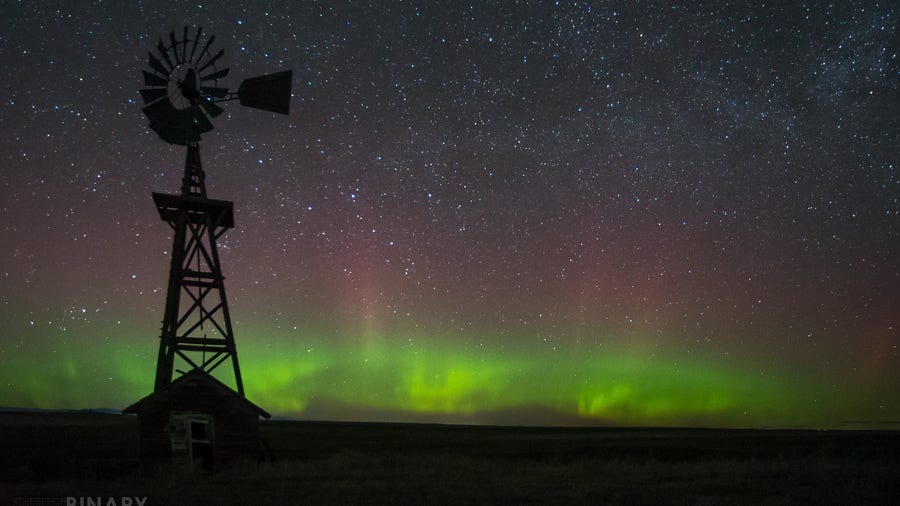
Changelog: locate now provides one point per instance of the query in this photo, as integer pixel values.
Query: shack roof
(193, 380)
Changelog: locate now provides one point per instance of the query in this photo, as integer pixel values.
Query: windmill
(181, 94)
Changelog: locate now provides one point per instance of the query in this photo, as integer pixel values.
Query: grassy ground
(58, 455)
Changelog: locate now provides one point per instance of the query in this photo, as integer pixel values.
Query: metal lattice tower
(181, 94)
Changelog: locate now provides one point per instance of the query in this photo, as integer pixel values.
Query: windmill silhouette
(181, 95)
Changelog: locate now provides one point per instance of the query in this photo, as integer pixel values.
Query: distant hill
(107, 411)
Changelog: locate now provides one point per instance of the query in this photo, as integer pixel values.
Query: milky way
(487, 212)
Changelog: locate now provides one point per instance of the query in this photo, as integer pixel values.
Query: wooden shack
(197, 422)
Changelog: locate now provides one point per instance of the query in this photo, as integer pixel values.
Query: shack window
(201, 444)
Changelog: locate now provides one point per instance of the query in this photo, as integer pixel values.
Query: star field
(489, 212)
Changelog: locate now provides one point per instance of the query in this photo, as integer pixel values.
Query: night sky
(491, 212)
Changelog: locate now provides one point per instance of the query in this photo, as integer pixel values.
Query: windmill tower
(195, 418)
(181, 94)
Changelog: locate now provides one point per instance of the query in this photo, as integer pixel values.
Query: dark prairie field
(55, 455)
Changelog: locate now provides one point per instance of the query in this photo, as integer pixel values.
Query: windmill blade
(184, 46)
(199, 119)
(156, 64)
(176, 134)
(206, 48)
(153, 94)
(270, 92)
(215, 75)
(183, 127)
(211, 108)
(196, 41)
(175, 47)
(153, 79)
(218, 55)
(214, 92)
(161, 112)
(177, 126)
(164, 53)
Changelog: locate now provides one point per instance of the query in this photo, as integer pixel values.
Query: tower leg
(168, 338)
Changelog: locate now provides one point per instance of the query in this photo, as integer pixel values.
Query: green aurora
(406, 377)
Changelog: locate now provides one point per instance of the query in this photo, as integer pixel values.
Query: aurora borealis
(631, 213)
